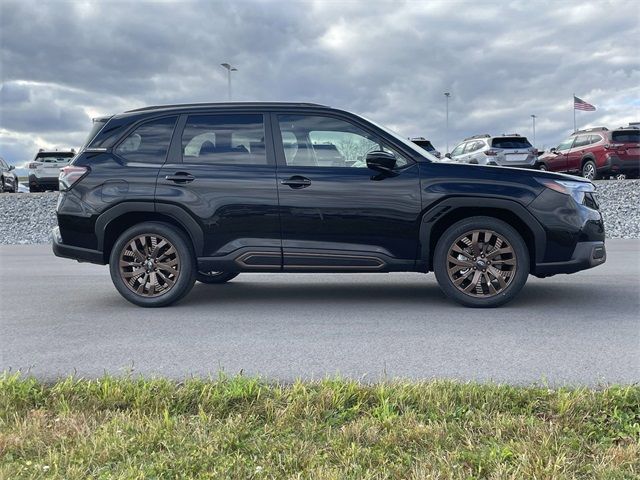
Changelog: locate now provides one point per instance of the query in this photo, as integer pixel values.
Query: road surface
(60, 317)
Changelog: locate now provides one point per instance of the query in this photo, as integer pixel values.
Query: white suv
(504, 150)
(45, 168)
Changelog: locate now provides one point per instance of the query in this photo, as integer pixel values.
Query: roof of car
(181, 106)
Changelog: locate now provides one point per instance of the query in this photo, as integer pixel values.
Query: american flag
(579, 104)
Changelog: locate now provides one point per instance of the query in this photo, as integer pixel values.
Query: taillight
(34, 165)
(70, 175)
(491, 153)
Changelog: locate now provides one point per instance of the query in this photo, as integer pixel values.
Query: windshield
(404, 141)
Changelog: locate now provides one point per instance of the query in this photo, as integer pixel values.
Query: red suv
(596, 152)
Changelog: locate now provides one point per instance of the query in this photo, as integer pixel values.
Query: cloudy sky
(64, 63)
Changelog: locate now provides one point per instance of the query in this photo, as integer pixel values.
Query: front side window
(566, 145)
(149, 142)
(458, 150)
(317, 141)
(224, 139)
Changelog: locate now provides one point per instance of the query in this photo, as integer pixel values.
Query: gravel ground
(29, 217)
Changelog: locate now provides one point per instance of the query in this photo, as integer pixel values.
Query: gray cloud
(390, 61)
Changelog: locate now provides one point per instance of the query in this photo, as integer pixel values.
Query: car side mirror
(448, 155)
(12, 167)
(553, 150)
(381, 161)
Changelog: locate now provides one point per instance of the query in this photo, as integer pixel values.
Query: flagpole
(574, 112)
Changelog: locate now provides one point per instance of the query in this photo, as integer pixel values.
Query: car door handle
(296, 181)
(180, 177)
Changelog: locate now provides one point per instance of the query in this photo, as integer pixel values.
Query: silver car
(504, 150)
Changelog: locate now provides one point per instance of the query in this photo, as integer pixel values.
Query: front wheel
(215, 277)
(542, 167)
(481, 262)
(152, 265)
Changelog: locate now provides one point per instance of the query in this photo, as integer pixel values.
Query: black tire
(589, 170)
(167, 289)
(515, 262)
(212, 278)
(542, 167)
(1, 185)
(33, 189)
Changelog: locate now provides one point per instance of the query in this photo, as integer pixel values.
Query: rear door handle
(297, 181)
(180, 177)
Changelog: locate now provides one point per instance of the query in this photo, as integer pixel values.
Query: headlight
(577, 190)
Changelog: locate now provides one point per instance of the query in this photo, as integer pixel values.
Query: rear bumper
(586, 255)
(60, 249)
(49, 182)
(615, 164)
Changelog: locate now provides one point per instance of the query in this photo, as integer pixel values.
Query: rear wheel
(481, 262)
(589, 170)
(215, 277)
(542, 167)
(152, 265)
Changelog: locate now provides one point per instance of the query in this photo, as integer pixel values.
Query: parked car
(8, 179)
(596, 152)
(45, 168)
(426, 145)
(166, 196)
(505, 150)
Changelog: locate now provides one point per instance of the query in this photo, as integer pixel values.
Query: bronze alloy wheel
(481, 263)
(149, 265)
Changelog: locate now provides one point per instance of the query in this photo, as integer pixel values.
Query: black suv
(173, 194)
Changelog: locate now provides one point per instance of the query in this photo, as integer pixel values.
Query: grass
(236, 428)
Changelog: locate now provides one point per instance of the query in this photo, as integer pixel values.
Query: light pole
(446, 132)
(533, 119)
(230, 69)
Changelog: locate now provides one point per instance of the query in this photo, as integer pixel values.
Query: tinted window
(510, 142)
(594, 139)
(581, 141)
(328, 142)
(149, 142)
(224, 139)
(626, 136)
(97, 126)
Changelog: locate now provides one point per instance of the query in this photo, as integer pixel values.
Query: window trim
(279, 147)
(176, 143)
(138, 124)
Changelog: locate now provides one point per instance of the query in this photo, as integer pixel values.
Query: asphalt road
(60, 317)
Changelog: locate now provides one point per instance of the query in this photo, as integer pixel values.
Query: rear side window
(224, 139)
(97, 126)
(510, 142)
(626, 136)
(149, 142)
(581, 141)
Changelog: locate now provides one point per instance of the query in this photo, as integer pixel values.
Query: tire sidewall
(184, 249)
(487, 223)
(595, 170)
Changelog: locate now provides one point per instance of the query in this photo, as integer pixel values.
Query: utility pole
(230, 68)
(533, 119)
(446, 134)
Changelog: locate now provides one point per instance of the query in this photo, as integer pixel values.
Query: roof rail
(417, 139)
(484, 135)
(511, 135)
(592, 129)
(224, 104)
(630, 127)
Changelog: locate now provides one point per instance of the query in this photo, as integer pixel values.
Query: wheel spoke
(481, 263)
(134, 273)
(140, 256)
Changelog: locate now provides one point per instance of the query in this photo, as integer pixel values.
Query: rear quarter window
(149, 142)
(510, 142)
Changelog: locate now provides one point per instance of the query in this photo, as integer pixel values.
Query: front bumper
(586, 255)
(60, 249)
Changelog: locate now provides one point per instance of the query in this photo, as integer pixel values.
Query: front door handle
(297, 181)
(180, 177)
